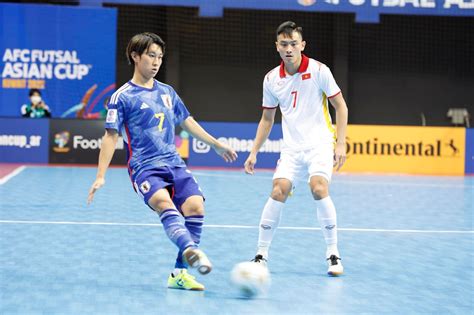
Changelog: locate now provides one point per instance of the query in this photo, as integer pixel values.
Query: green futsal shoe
(184, 281)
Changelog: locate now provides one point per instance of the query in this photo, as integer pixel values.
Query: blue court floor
(406, 242)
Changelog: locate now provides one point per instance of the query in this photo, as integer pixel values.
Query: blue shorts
(179, 182)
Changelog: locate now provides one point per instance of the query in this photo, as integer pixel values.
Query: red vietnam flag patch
(306, 76)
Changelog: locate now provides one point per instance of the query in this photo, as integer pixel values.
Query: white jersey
(303, 100)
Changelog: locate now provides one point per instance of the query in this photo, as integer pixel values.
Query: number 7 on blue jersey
(161, 117)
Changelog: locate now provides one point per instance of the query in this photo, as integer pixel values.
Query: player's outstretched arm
(339, 104)
(193, 128)
(107, 149)
(264, 127)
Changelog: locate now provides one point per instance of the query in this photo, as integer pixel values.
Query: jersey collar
(142, 87)
(303, 66)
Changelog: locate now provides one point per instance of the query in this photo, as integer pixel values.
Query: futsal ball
(250, 278)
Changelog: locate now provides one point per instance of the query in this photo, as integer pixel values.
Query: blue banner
(240, 137)
(66, 52)
(469, 160)
(365, 10)
(24, 140)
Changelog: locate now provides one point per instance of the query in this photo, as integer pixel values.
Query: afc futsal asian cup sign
(66, 52)
(30, 68)
(369, 10)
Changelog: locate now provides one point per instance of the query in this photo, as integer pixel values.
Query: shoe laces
(259, 259)
(185, 275)
(333, 259)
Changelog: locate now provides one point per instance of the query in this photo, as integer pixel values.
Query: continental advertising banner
(23, 140)
(66, 52)
(404, 149)
(370, 148)
(240, 137)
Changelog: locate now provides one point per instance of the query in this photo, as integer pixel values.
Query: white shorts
(313, 162)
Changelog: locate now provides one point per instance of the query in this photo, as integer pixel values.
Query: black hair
(288, 28)
(141, 42)
(33, 91)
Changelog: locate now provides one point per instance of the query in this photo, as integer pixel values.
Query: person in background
(36, 108)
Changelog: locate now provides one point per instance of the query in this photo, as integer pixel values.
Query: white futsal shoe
(260, 260)
(335, 266)
(195, 258)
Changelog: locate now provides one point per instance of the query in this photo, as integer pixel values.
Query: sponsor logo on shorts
(145, 187)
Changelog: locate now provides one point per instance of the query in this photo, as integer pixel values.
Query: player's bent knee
(279, 194)
(320, 191)
(319, 187)
(161, 201)
(194, 205)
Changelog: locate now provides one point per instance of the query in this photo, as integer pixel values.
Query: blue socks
(177, 232)
(194, 225)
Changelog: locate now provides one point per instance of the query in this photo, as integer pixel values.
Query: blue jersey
(146, 118)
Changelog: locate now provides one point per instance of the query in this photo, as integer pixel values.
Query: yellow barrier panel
(404, 149)
(183, 148)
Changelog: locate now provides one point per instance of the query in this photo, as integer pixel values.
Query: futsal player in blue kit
(145, 111)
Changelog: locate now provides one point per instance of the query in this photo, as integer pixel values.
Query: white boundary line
(15, 172)
(341, 181)
(223, 226)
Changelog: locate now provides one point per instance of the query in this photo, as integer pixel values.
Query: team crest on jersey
(111, 116)
(167, 100)
(145, 187)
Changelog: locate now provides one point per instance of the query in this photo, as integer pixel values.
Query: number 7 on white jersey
(295, 96)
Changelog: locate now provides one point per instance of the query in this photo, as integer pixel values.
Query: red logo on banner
(306, 76)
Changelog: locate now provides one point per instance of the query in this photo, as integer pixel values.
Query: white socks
(269, 221)
(328, 222)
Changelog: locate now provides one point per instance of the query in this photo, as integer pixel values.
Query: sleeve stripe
(115, 96)
(334, 95)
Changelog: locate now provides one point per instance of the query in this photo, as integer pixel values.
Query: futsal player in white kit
(301, 87)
